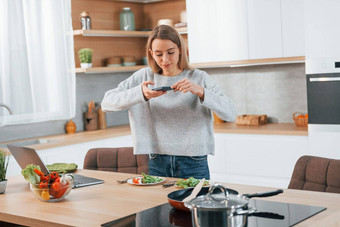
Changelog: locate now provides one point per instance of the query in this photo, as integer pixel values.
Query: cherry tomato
(135, 180)
(54, 175)
(43, 184)
(57, 180)
(45, 178)
(56, 186)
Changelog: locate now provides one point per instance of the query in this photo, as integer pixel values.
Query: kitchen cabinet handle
(323, 79)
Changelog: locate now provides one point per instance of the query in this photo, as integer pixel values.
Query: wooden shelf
(110, 69)
(119, 33)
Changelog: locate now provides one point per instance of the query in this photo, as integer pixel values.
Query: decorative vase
(3, 186)
(86, 65)
(70, 127)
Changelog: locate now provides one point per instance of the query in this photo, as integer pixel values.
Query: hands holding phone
(184, 86)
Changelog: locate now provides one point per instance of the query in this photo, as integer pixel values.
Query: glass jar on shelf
(127, 19)
(85, 21)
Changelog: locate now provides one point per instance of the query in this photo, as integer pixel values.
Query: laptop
(25, 156)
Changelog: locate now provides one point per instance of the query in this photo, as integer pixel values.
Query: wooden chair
(119, 159)
(316, 174)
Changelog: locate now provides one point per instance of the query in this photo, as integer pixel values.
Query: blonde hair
(167, 32)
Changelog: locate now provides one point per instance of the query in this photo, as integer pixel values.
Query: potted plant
(85, 57)
(3, 169)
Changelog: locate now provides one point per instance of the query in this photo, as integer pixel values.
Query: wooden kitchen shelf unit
(116, 33)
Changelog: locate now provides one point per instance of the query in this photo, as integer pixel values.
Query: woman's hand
(186, 85)
(148, 93)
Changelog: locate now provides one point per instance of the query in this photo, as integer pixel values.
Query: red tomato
(135, 180)
(45, 178)
(56, 186)
(43, 184)
(54, 175)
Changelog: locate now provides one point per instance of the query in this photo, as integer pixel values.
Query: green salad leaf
(147, 179)
(30, 175)
(190, 182)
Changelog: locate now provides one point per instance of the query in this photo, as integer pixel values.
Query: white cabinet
(217, 30)
(71, 154)
(293, 28)
(244, 29)
(265, 160)
(200, 28)
(264, 29)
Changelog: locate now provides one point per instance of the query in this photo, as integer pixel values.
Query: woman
(174, 127)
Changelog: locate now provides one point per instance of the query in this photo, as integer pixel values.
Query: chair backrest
(119, 159)
(316, 174)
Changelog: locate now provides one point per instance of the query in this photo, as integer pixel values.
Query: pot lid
(219, 201)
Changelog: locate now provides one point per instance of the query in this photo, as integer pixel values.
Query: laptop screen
(26, 156)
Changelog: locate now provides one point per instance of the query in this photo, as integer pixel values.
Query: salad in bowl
(50, 187)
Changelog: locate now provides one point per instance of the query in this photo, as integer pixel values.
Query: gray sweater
(175, 123)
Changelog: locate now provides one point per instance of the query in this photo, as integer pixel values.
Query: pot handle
(250, 211)
(223, 189)
(264, 194)
(268, 215)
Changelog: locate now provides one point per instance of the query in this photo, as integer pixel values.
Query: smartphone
(164, 88)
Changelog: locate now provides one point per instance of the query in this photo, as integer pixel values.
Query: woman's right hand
(148, 93)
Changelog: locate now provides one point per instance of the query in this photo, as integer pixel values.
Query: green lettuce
(30, 175)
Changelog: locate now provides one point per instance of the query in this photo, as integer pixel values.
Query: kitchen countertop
(267, 129)
(124, 130)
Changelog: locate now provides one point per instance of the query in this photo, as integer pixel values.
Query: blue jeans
(179, 166)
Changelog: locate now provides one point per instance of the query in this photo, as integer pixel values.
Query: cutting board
(251, 120)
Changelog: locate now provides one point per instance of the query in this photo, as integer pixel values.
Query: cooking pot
(175, 198)
(225, 209)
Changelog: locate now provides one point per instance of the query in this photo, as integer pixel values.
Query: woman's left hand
(186, 85)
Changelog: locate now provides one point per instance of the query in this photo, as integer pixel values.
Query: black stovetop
(164, 215)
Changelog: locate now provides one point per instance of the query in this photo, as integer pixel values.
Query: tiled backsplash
(275, 90)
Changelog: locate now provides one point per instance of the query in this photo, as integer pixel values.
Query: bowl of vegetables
(50, 187)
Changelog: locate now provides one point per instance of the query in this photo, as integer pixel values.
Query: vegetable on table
(43, 184)
(147, 179)
(45, 194)
(135, 180)
(190, 182)
(30, 175)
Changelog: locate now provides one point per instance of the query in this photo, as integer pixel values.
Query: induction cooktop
(284, 214)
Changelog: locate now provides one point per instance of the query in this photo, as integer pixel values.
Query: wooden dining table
(98, 204)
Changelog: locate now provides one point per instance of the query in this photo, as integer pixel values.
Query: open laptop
(25, 156)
